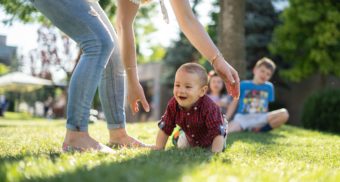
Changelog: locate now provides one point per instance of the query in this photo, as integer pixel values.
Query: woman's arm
(200, 39)
(126, 13)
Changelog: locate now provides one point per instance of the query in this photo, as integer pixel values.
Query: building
(7, 53)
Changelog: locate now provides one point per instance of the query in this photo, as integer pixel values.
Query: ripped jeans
(99, 65)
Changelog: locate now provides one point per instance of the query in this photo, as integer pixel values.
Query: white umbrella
(21, 82)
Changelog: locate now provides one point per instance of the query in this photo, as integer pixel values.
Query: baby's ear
(204, 90)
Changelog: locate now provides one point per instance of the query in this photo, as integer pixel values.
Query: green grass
(30, 151)
(20, 116)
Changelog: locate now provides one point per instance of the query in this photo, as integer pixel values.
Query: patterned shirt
(201, 124)
(255, 98)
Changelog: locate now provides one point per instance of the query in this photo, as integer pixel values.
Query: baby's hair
(195, 68)
(266, 62)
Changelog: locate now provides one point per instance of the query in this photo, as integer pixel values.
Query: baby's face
(188, 89)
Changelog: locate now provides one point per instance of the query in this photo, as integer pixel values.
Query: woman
(86, 23)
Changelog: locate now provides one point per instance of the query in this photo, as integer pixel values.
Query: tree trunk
(231, 31)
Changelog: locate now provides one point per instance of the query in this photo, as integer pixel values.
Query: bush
(321, 111)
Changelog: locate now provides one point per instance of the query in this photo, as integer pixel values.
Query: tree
(23, 11)
(53, 54)
(180, 52)
(48, 57)
(308, 38)
(231, 33)
(260, 21)
(147, 50)
(3, 69)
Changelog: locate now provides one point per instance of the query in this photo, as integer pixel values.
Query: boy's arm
(231, 109)
(161, 140)
(217, 145)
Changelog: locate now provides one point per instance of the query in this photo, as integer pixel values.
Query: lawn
(30, 151)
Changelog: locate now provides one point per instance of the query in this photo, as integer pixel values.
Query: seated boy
(191, 109)
(252, 111)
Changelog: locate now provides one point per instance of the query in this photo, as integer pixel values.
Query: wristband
(215, 58)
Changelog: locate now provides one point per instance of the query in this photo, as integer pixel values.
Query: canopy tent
(21, 82)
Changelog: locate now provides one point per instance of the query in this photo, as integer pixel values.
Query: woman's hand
(136, 94)
(229, 75)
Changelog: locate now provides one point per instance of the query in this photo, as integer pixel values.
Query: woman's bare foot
(82, 141)
(120, 138)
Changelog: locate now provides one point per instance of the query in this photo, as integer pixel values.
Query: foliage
(285, 154)
(148, 49)
(23, 10)
(180, 52)
(309, 38)
(3, 69)
(20, 10)
(53, 54)
(213, 24)
(260, 21)
(48, 57)
(321, 111)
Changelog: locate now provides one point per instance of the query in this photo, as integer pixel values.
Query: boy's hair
(266, 62)
(195, 68)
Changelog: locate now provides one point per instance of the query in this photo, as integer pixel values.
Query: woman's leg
(111, 91)
(79, 20)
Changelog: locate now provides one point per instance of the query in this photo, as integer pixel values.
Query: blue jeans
(99, 65)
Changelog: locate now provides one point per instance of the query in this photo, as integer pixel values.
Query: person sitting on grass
(217, 91)
(252, 111)
(190, 108)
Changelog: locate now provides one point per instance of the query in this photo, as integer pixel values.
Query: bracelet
(131, 67)
(215, 58)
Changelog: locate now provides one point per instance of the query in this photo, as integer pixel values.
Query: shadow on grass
(9, 160)
(169, 165)
(16, 158)
(250, 137)
(5, 126)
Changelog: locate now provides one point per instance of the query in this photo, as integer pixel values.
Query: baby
(190, 108)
